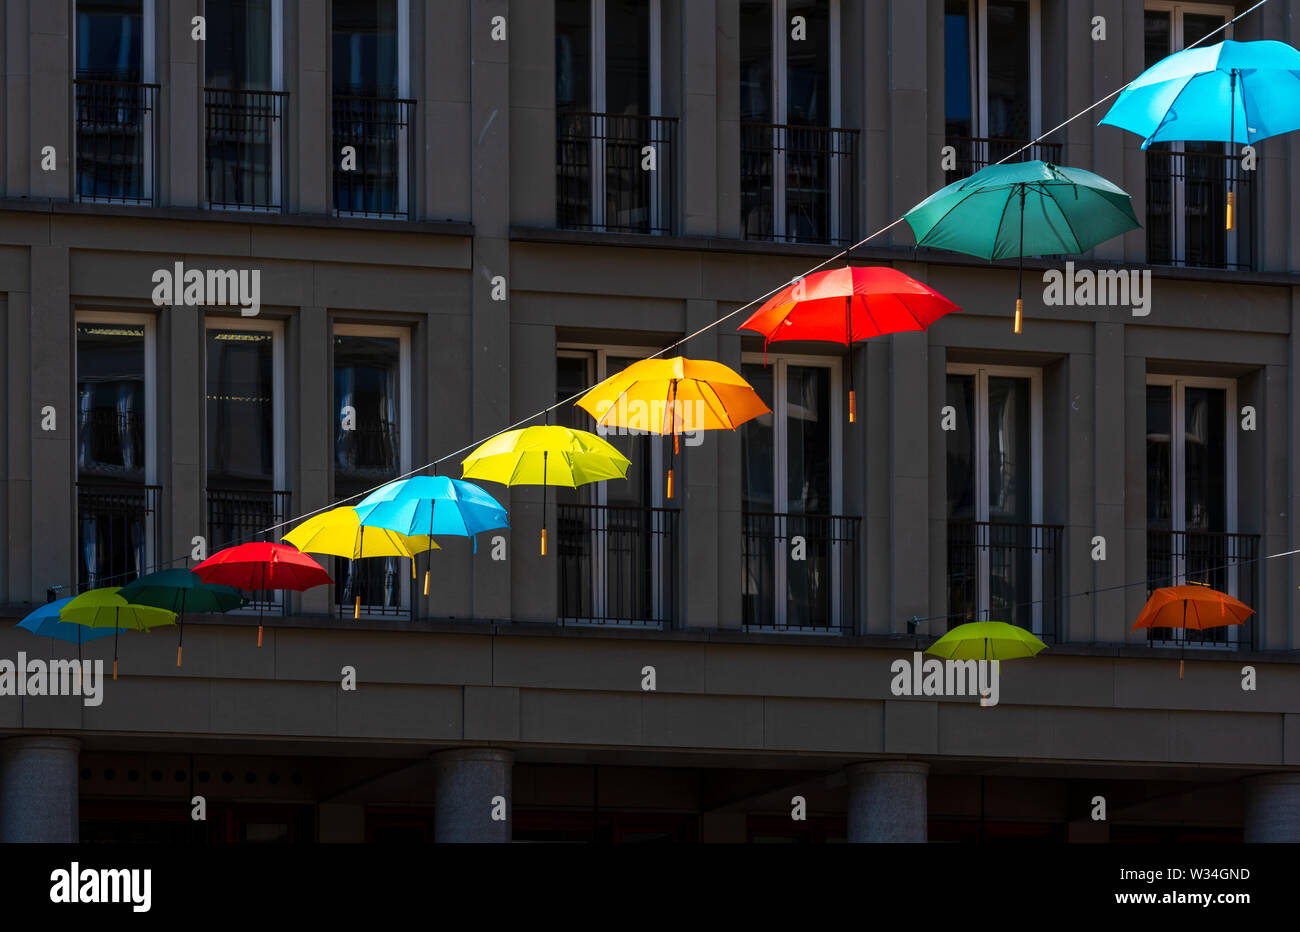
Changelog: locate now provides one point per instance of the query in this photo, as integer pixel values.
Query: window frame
(150, 324)
(279, 405)
(981, 374)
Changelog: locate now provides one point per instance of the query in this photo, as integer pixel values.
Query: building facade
(448, 215)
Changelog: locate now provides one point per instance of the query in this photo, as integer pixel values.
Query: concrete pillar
(887, 801)
(38, 790)
(467, 784)
(1272, 810)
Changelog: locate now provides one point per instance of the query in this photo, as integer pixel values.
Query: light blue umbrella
(45, 623)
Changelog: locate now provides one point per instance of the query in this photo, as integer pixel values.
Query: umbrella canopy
(1023, 209)
(45, 622)
(179, 590)
(262, 565)
(339, 532)
(428, 505)
(545, 456)
(105, 608)
(1192, 608)
(1236, 92)
(986, 640)
(847, 305)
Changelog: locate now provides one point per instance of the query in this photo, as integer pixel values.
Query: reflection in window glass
(366, 374)
(627, 57)
(1008, 69)
(1010, 465)
(111, 400)
(756, 61)
(237, 51)
(240, 408)
(1160, 490)
(756, 445)
(957, 68)
(109, 40)
(961, 448)
(573, 55)
(365, 48)
(808, 440)
(808, 87)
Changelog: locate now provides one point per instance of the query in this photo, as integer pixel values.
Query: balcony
(600, 180)
(1187, 197)
(617, 565)
(1227, 562)
(800, 573)
(383, 585)
(1006, 572)
(798, 184)
(236, 516)
(245, 151)
(117, 533)
(378, 129)
(976, 152)
(116, 159)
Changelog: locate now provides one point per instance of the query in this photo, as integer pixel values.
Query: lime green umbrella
(1023, 209)
(104, 608)
(986, 640)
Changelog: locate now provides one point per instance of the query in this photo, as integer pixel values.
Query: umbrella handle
(848, 333)
(1232, 132)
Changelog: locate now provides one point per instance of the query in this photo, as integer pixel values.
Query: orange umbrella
(1192, 608)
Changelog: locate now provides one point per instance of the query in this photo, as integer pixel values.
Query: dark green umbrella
(1023, 209)
(178, 590)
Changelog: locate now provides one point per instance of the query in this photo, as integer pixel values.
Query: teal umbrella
(1023, 209)
(178, 590)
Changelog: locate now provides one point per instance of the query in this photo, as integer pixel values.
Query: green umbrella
(986, 640)
(1023, 209)
(178, 590)
(104, 608)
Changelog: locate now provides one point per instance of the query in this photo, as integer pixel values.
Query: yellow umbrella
(669, 396)
(546, 456)
(339, 532)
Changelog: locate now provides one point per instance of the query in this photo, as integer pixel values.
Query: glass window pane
(1205, 446)
(957, 68)
(961, 448)
(627, 57)
(808, 89)
(573, 54)
(240, 408)
(756, 61)
(367, 446)
(1159, 465)
(111, 400)
(1157, 36)
(808, 440)
(237, 52)
(109, 40)
(1010, 457)
(635, 444)
(1008, 69)
(757, 449)
(574, 375)
(365, 48)
(1196, 26)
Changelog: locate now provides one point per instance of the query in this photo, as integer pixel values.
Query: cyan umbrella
(1234, 92)
(1023, 209)
(432, 505)
(179, 590)
(45, 622)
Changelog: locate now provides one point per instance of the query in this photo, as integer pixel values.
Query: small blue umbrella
(424, 506)
(45, 623)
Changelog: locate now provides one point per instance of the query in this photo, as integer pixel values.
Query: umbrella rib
(997, 231)
(919, 241)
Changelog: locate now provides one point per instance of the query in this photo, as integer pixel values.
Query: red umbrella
(847, 305)
(262, 565)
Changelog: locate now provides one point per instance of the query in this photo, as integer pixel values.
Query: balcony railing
(614, 172)
(1187, 197)
(976, 152)
(800, 572)
(245, 153)
(367, 453)
(798, 184)
(1227, 562)
(617, 565)
(378, 131)
(236, 516)
(117, 533)
(1005, 572)
(383, 584)
(117, 160)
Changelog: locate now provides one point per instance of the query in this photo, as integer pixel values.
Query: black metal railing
(384, 586)
(800, 572)
(118, 533)
(117, 159)
(614, 172)
(237, 516)
(616, 564)
(1187, 198)
(1000, 566)
(245, 155)
(373, 178)
(816, 169)
(367, 452)
(975, 152)
(1226, 562)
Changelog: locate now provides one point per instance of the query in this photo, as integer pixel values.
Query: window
(797, 166)
(607, 98)
(372, 446)
(1188, 182)
(1191, 496)
(244, 105)
(1003, 562)
(114, 101)
(617, 541)
(800, 552)
(372, 115)
(245, 413)
(993, 81)
(117, 502)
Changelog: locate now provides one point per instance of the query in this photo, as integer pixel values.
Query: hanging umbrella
(664, 388)
(45, 622)
(1193, 607)
(1022, 209)
(262, 566)
(848, 305)
(105, 608)
(1234, 92)
(986, 640)
(339, 532)
(545, 456)
(178, 590)
(428, 505)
